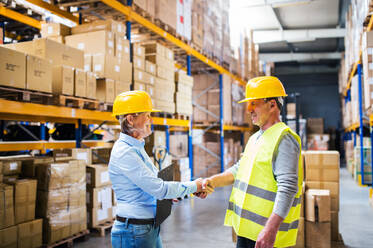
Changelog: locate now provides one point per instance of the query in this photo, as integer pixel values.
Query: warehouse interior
(63, 64)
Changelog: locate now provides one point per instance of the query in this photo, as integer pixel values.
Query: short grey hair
(125, 126)
(279, 101)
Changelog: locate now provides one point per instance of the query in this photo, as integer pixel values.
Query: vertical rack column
(221, 124)
(190, 131)
(167, 138)
(78, 133)
(361, 131)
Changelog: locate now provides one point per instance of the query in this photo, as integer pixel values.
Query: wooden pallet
(142, 12)
(103, 227)
(24, 95)
(69, 242)
(75, 102)
(108, 107)
(163, 115)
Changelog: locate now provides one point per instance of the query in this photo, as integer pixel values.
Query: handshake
(205, 186)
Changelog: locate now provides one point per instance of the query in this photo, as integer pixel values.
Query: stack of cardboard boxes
(11, 169)
(164, 85)
(367, 59)
(49, 66)
(197, 24)
(321, 173)
(61, 198)
(143, 71)
(356, 170)
(18, 226)
(183, 94)
(99, 195)
(107, 55)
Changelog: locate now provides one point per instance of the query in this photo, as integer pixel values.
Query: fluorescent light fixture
(285, 3)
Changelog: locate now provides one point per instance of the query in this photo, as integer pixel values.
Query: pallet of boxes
(18, 226)
(316, 138)
(106, 57)
(319, 226)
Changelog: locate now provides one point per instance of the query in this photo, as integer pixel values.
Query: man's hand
(267, 236)
(204, 188)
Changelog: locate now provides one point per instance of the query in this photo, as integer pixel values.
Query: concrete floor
(199, 223)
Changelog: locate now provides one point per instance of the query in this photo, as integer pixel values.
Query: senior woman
(134, 176)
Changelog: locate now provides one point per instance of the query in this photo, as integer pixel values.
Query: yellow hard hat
(263, 87)
(131, 102)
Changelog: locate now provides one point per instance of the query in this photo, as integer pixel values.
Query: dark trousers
(245, 243)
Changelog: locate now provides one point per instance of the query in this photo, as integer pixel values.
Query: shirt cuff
(191, 186)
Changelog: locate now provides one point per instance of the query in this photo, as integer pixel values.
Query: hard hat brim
(254, 98)
(152, 111)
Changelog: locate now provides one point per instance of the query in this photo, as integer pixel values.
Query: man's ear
(130, 119)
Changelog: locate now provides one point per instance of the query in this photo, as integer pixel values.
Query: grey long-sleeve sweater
(285, 171)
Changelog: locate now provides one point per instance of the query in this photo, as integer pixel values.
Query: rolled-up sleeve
(137, 171)
(234, 169)
(285, 170)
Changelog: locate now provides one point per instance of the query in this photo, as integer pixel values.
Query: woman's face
(143, 125)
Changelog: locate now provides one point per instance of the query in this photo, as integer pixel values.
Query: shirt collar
(131, 140)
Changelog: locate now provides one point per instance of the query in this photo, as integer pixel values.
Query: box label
(81, 46)
(13, 166)
(102, 214)
(86, 67)
(98, 67)
(117, 68)
(110, 44)
(50, 30)
(120, 48)
(82, 156)
(105, 177)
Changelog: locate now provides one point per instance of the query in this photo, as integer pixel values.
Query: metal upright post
(296, 99)
(167, 138)
(361, 124)
(80, 17)
(128, 32)
(2, 127)
(371, 150)
(354, 132)
(2, 24)
(190, 132)
(221, 124)
(42, 131)
(78, 133)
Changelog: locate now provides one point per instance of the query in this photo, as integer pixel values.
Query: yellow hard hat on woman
(131, 102)
(263, 87)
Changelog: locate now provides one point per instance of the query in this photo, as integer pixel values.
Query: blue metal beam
(190, 133)
(78, 133)
(167, 138)
(221, 124)
(361, 124)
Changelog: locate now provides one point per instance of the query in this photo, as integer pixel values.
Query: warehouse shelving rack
(357, 69)
(10, 110)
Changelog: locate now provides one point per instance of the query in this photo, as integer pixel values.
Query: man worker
(264, 206)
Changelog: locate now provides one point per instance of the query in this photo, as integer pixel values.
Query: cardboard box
(179, 145)
(38, 74)
(6, 206)
(100, 25)
(80, 83)
(121, 87)
(29, 165)
(142, 76)
(333, 188)
(100, 197)
(24, 200)
(98, 216)
(150, 68)
(58, 175)
(161, 61)
(318, 234)
(63, 80)
(88, 62)
(74, 153)
(335, 225)
(138, 50)
(101, 155)
(126, 72)
(300, 243)
(54, 29)
(10, 167)
(60, 54)
(122, 48)
(12, 68)
(78, 220)
(139, 86)
(322, 166)
(52, 202)
(93, 42)
(139, 63)
(57, 227)
(103, 65)
(318, 205)
(60, 39)
(91, 85)
(8, 237)
(106, 90)
(30, 234)
(150, 90)
(97, 175)
(318, 142)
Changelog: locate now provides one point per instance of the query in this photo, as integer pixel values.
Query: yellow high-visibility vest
(254, 190)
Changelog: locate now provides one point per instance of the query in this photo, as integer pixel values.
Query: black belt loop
(136, 221)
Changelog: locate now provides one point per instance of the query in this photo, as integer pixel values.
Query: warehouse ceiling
(309, 28)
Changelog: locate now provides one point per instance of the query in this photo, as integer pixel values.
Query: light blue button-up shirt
(135, 181)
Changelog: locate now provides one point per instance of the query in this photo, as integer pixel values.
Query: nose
(250, 107)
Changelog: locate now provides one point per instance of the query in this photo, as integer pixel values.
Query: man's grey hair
(125, 126)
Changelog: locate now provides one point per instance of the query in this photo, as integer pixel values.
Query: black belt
(136, 221)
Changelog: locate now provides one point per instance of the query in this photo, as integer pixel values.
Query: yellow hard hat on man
(131, 102)
(263, 87)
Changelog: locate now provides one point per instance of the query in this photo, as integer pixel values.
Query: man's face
(143, 124)
(259, 110)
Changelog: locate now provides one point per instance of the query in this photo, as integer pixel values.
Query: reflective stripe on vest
(260, 219)
(262, 193)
